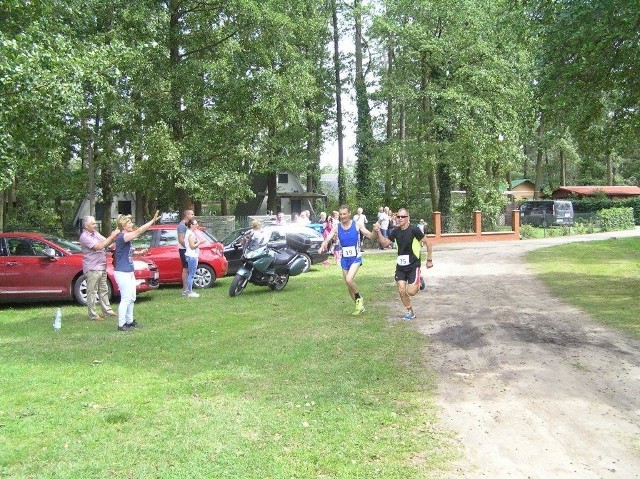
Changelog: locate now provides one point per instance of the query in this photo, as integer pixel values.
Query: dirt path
(533, 387)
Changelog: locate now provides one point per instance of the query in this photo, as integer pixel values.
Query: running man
(409, 240)
(349, 235)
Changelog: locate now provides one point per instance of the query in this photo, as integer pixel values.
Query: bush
(616, 219)
(592, 205)
(527, 232)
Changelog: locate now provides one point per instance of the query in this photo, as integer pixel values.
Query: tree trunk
(364, 132)
(444, 198)
(87, 155)
(563, 169)
(388, 168)
(609, 158)
(342, 189)
(539, 158)
(175, 17)
(272, 188)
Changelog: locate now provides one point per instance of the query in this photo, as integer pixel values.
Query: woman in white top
(192, 245)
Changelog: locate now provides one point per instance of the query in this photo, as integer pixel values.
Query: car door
(26, 272)
(163, 250)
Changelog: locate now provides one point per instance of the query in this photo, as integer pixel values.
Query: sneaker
(409, 316)
(112, 313)
(98, 318)
(185, 293)
(423, 285)
(193, 295)
(134, 324)
(126, 327)
(359, 307)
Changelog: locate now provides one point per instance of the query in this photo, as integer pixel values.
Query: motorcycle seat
(284, 255)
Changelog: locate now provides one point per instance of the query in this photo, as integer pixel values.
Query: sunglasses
(401, 216)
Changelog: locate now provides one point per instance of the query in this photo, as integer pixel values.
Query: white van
(546, 213)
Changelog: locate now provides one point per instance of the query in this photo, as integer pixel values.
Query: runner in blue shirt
(349, 235)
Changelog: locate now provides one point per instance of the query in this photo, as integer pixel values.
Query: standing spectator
(124, 269)
(94, 267)
(383, 221)
(280, 220)
(409, 238)
(392, 226)
(295, 217)
(348, 233)
(192, 251)
(182, 248)
(335, 248)
(361, 221)
(305, 218)
(421, 225)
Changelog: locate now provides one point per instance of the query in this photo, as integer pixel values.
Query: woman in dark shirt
(125, 278)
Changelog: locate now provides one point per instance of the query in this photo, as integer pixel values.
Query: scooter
(267, 266)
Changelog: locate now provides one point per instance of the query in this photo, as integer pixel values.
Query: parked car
(161, 242)
(277, 235)
(36, 267)
(546, 213)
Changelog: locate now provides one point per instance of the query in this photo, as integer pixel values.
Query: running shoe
(423, 285)
(359, 307)
(409, 316)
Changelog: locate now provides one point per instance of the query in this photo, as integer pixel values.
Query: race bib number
(348, 251)
(403, 260)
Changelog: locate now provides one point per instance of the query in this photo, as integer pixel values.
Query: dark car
(546, 213)
(35, 267)
(276, 235)
(161, 242)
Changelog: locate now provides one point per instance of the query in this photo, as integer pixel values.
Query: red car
(161, 241)
(36, 267)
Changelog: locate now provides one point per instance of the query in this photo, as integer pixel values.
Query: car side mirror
(49, 252)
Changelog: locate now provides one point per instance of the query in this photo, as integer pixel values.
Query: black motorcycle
(267, 266)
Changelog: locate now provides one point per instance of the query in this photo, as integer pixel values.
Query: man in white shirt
(361, 221)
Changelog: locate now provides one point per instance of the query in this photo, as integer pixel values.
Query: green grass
(284, 384)
(600, 277)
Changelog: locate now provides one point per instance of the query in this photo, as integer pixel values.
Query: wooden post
(515, 221)
(477, 222)
(437, 224)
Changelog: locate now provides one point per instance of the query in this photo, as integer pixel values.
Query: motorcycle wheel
(237, 285)
(280, 283)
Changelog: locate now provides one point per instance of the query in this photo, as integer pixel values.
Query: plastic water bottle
(57, 320)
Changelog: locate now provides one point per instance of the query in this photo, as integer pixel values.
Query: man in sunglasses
(409, 240)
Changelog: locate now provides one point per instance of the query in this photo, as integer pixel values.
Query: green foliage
(527, 232)
(616, 219)
(590, 205)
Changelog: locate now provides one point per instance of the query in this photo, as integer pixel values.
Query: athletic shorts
(183, 258)
(410, 275)
(347, 262)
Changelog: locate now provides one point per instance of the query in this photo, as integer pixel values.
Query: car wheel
(204, 277)
(80, 290)
(307, 262)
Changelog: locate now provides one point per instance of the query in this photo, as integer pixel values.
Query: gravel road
(531, 386)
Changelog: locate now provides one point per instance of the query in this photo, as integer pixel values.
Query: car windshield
(64, 244)
(207, 236)
(233, 236)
